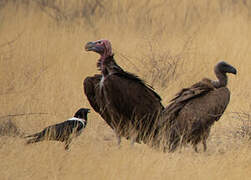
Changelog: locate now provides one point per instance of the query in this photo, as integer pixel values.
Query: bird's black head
(82, 113)
(224, 67)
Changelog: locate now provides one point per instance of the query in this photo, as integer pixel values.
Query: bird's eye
(100, 42)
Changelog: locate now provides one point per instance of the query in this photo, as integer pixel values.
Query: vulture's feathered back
(194, 110)
(125, 102)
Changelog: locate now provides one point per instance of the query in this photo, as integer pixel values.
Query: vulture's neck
(101, 65)
(108, 66)
(222, 79)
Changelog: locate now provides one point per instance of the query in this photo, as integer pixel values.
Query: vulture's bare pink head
(102, 47)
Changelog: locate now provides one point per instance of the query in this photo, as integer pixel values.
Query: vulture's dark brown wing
(185, 95)
(128, 95)
(194, 110)
(195, 90)
(91, 90)
(208, 107)
(114, 69)
(136, 79)
(95, 96)
(133, 101)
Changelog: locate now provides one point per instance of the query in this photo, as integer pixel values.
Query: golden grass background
(43, 65)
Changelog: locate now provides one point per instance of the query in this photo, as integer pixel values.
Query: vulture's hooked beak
(233, 70)
(90, 46)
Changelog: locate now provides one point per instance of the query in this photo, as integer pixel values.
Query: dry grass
(43, 64)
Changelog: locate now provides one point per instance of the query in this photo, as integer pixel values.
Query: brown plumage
(194, 110)
(125, 102)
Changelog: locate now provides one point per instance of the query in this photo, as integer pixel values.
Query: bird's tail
(32, 135)
(34, 138)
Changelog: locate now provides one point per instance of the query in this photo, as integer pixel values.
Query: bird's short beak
(90, 46)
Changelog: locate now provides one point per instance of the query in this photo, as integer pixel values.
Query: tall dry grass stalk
(43, 65)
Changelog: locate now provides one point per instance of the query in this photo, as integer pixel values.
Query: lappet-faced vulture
(125, 102)
(195, 109)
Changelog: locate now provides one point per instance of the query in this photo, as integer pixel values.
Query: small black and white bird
(64, 131)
